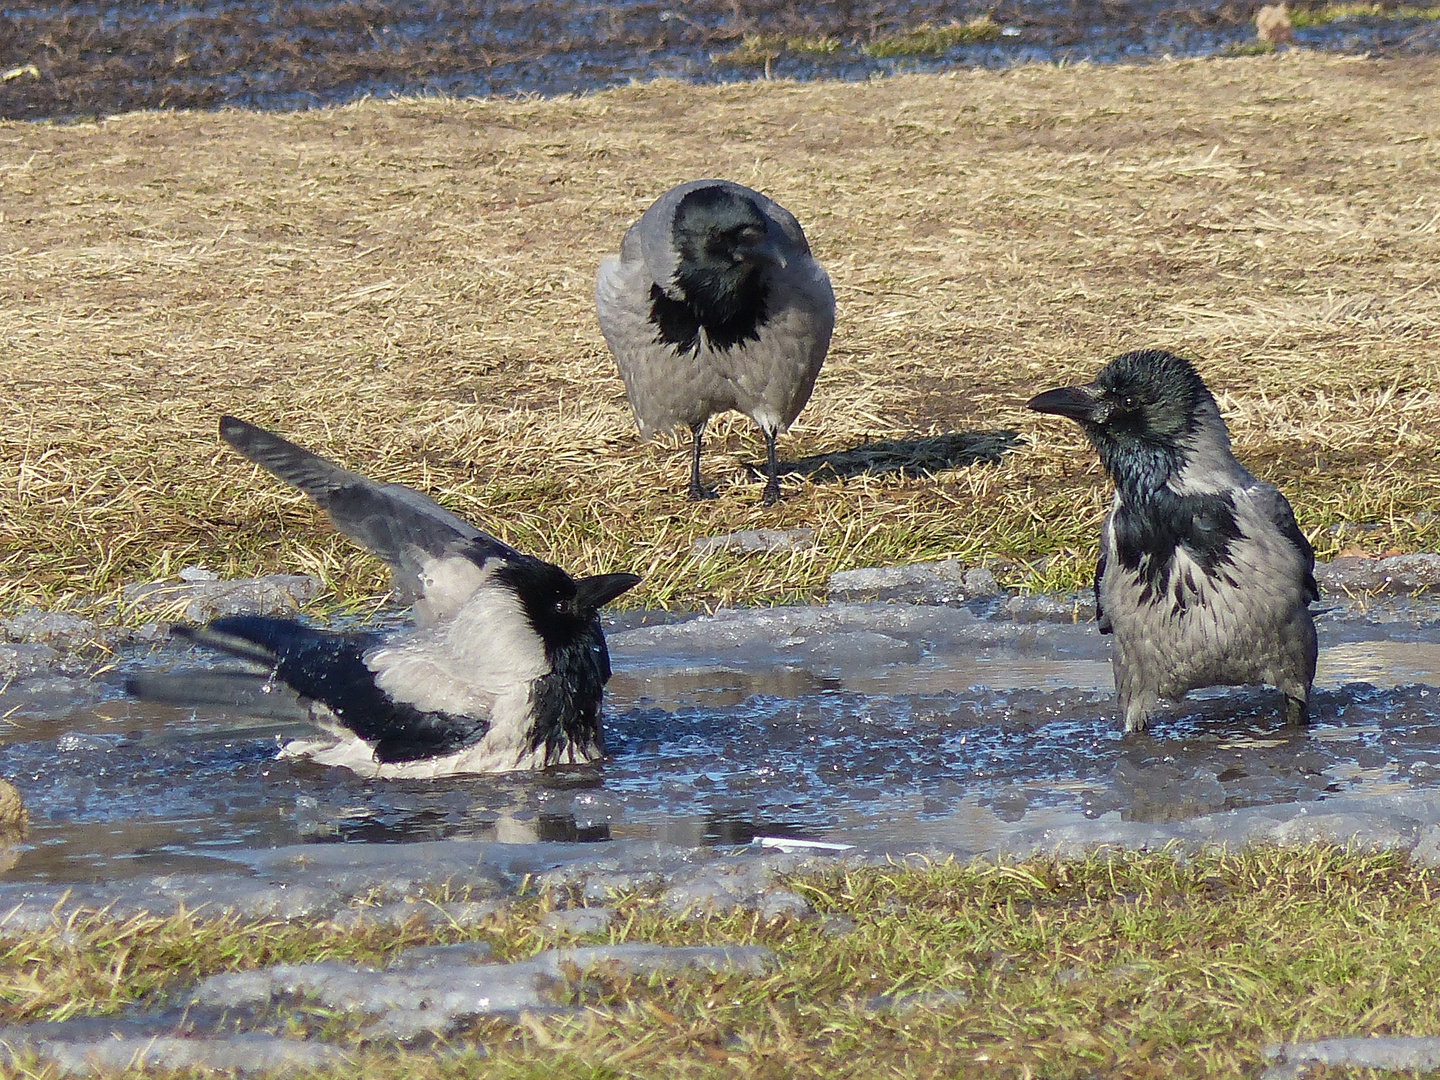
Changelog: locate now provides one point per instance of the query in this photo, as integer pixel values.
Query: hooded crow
(502, 669)
(1204, 577)
(715, 303)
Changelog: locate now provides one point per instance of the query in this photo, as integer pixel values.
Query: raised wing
(399, 525)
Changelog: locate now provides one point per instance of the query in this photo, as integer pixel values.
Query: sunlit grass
(406, 287)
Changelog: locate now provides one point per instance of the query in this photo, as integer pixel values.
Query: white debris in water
(785, 843)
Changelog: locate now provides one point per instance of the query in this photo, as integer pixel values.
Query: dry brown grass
(407, 287)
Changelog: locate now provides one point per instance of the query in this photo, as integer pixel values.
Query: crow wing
(1269, 501)
(330, 668)
(400, 526)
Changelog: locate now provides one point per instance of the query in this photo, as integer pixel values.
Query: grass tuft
(1254, 47)
(933, 40)
(755, 50)
(1329, 13)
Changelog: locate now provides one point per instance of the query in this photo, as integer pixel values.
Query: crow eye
(1129, 403)
(559, 605)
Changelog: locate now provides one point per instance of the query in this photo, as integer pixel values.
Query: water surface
(841, 723)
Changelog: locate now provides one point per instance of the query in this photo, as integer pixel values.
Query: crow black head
(561, 610)
(1141, 413)
(565, 704)
(719, 228)
(722, 243)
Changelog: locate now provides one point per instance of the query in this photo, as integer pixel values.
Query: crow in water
(715, 303)
(503, 668)
(1204, 577)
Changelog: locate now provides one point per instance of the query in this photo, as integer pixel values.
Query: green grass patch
(1249, 48)
(1113, 965)
(758, 49)
(1323, 16)
(933, 40)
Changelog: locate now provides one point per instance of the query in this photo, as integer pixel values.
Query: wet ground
(865, 724)
(86, 59)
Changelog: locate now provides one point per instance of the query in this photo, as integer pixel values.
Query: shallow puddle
(842, 723)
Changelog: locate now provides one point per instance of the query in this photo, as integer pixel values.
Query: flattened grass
(1116, 965)
(407, 288)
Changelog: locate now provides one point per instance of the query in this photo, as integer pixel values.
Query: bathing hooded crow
(1204, 577)
(714, 304)
(502, 669)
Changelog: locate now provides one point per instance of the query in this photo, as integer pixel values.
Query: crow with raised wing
(716, 303)
(503, 668)
(1204, 578)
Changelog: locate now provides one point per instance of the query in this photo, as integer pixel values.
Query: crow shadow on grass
(906, 457)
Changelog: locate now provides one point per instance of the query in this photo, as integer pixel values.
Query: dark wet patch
(85, 59)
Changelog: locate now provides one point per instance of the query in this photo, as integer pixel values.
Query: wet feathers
(1204, 577)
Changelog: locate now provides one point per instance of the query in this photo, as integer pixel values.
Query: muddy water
(844, 723)
(84, 59)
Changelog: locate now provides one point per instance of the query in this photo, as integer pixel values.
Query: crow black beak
(1076, 402)
(593, 593)
(767, 250)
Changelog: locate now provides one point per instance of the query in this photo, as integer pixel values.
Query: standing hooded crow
(1204, 578)
(503, 668)
(715, 303)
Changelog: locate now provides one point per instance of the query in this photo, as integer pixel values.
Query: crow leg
(1136, 695)
(771, 494)
(697, 491)
(1296, 711)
